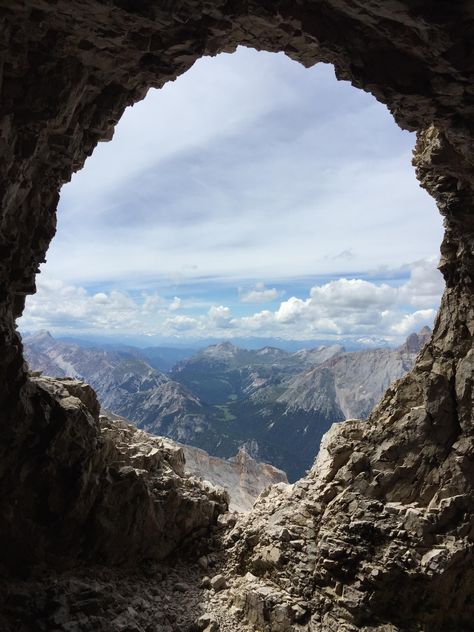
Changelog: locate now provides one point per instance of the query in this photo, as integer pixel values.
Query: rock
(218, 582)
(122, 481)
(203, 562)
(241, 476)
(206, 582)
(208, 623)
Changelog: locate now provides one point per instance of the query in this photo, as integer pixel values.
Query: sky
(250, 197)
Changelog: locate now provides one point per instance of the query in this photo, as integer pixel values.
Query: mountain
(161, 358)
(223, 372)
(126, 385)
(279, 404)
(354, 381)
(242, 477)
(275, 403)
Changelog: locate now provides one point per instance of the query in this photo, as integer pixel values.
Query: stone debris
(218, 582)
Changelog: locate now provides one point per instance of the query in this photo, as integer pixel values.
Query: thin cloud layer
(248, 166)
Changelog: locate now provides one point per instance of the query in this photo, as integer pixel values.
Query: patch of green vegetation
(224, 412)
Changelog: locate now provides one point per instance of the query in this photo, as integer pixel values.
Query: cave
(390, 501)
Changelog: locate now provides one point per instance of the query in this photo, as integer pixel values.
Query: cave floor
(156, 597)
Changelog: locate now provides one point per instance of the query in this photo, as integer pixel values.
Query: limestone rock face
(334, 551)
(353, 382)
(390, 501)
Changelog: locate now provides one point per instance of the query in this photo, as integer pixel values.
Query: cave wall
(68, 70)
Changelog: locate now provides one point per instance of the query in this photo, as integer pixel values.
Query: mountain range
(274, 403)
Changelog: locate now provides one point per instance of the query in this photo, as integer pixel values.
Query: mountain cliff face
(125, 384)
(280, 404)
(242, 477)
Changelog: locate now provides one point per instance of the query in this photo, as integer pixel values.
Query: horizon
(250, 198)
(199, 344)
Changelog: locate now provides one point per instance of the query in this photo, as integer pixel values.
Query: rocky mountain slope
(355, 381)
(125, 384)
(241, 477)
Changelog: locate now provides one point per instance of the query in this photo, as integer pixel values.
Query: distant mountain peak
(268, 350)
(41, 339)
(416, 341)
(42, 334)
(221, 350)
(226, 345)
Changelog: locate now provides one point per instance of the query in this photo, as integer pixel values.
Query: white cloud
(60, 305)
(259, 294)
(425, 285)
(248, 166)
(175, 304)
(150, 302)
(355, 307)
(182, 323)
(220, 316)
(352, 294)
(411, 322)
(291, 310)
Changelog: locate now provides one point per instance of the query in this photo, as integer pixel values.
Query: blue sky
(250, 197)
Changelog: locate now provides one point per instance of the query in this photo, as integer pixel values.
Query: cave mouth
(250, 158)
(85, 100)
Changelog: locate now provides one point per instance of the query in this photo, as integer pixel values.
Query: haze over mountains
(274, 403)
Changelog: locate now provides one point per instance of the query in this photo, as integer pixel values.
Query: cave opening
(251, 200)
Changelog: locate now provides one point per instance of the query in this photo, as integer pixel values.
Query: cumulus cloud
(425, 285)
(259, 294)
(220, 316)
(411, 322)
(356, 307)
(150, 302)
(65, 306)
(292, 310)
(352, 294)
